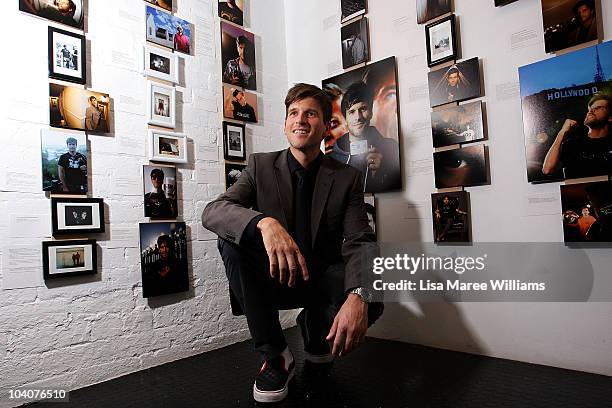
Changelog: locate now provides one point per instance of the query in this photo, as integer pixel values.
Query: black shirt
(583, 156)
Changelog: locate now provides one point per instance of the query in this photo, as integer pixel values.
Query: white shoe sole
(272, 396)
(318, 358)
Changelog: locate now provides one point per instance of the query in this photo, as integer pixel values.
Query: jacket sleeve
(229, 215)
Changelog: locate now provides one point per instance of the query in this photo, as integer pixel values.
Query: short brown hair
(302, 91)
(601, 97)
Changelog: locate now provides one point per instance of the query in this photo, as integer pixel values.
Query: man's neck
(72, 153)
(598, 133)
(354, 138)
(307, 156)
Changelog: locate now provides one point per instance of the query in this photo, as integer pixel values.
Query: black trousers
(261, 297)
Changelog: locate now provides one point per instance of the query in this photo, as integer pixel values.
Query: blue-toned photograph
(566, 115)
(167, 30)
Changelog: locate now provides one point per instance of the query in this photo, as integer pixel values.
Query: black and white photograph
(568, 23)
(451, 216)
(457, 124)
(352, 9)
(587, 212)
(463, 167)
(161, 105)
(67, 56)
(165, 4)
(163, 258)
(232, 10)
(79, 109)
(69, 12)
(239, 104)
(429, 9)
(355, 43)
(238, 57)
(170, 31)
(159, 189)
(233, 171)
(167, 146)
(459, 82)
(161, 64)
(370, 204)
(69, 258)
(64, 162)
(234, 141)
(77, 215)
(441, 41)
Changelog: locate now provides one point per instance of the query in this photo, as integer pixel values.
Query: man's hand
(568, 126)
(374, 159)
(350, 326)
(283, 252)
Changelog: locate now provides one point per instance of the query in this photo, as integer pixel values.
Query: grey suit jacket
(339, 224)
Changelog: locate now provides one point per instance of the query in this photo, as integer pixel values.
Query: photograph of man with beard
(568, 23)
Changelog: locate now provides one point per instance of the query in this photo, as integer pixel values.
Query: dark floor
(380, 374)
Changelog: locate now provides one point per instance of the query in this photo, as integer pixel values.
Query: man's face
(157, 180)
(337, 124)
(384, 108)
(231, 3)
(453, 79)
(584, 13)
(585, 212)
(358, 118)
(598, 115)
(163, 250)
(63, 6)
(304, 125)
(445, 200)
(94, 102)
(72, 147)
(240, 48)
(241, 99)
(179, 30)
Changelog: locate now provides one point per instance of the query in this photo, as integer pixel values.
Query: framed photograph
(78, 109)
(161, 64)
(566, 115)
(441, 41)
(373, 87)
(352, 9)
(64, 162)
(239, 104)
(77, 215)
(165, 4)
(159, 189)
(231, 10)
(238, 57)
(355, 43)
(163, 258)
(568, 23)
(587, 212)
(167, 146)
(463, 167)
(167, 30)
(161, 105)
(456, 83)
(69, 12)
(429, 9)
(67, 56)
(69, 258)
(457, 124)
(499, 3)
(233, 171)
(451, 216)
(234, 141)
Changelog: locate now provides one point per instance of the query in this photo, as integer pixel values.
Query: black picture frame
(59, 222)
(82, 79)
(233, 171)
(90, 265)
(450, 20)
(227, 152)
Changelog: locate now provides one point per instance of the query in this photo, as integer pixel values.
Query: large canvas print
(160, 200)
(566, 115)
(568, 23)
(69, 12)
(238, 56)
(64, 162)
(457, 124)
(79, 109)
(462, 167)
(163, 258)
(364, 127)
(587, 212)
(232, 10)
(355, 43)
(451, 216)
(430, 9)
(456, 83)
(167, 30)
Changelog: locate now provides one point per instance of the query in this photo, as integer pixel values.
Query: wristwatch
(363, 293)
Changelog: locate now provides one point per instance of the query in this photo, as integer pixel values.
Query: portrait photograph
(566, 115)
(69, 12)
(239, 104)
(451, 216)
(64, 162)
(234, 141)
(161, 105)
(165, 4)
(78, 109)
(233, 171)
(167, 146)
(163, 258)
(352, 9)
(238, 57)
(160, 198)
(77, 215)
(568, 23)
(429, 9)
(161, 64)
(364, 126)
(232, 10)
(69, 258)
(456, 83)
(167, 30)
(441, 41)
(463, 167)
(457, 124)
(67, 56)
(587, 212)
(355, 43)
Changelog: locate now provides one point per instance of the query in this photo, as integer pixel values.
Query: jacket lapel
(285, 187)
(319, 197)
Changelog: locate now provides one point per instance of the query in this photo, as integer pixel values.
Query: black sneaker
(272, 382)
(316, 350)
